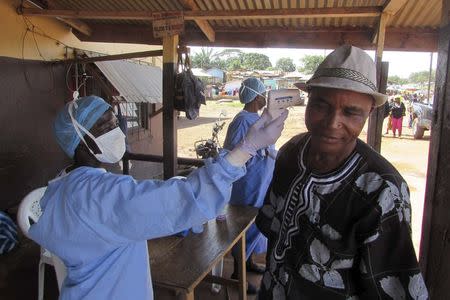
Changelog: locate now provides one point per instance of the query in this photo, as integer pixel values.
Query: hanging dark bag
(189, 90)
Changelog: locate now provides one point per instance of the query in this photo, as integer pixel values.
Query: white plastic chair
(30, 210)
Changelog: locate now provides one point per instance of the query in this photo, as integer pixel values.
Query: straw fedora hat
(347, 68)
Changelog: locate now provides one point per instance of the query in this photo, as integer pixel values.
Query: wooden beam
(376, 118)
(283, 29)
(381, 36)
(315, 40)
(241, 271)
(170, 45)
(108, 33)
(329, 12)
(400, 39)
(390, 8)
(131, 55)
(435, 243)
(393, 6)
(202, 24)
(374, 37)
(77, 24)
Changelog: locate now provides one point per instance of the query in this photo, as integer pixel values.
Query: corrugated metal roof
(134, 82)
(415, 13)
(418, 13)
(292, 22)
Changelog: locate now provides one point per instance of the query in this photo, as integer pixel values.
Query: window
(136, 114)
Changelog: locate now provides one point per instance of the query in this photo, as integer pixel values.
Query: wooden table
(181, 263)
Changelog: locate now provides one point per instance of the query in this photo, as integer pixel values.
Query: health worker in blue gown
(98, 222)
(251, 188)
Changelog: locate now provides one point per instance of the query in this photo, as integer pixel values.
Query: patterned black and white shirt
(341, 235)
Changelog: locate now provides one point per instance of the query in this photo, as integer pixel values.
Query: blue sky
(401, 63)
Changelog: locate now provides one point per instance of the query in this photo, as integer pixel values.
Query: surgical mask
(111, 144)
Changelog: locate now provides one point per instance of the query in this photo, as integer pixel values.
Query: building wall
(29, 155)
(53, 38)
(33, 90)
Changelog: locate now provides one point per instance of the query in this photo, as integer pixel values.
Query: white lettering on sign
(167, 24)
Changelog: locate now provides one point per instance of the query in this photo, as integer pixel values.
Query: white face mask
(111, 144)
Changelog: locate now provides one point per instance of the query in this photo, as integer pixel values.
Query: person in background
(337, 214)
(251, 189)
(98, 223)
(398, 111)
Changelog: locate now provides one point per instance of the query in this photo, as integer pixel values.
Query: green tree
(286, 64)
(421, 76)
(219, 63)
(234, 63)
(255, 61)
(394, 79)
(309, 63)
(203, 59)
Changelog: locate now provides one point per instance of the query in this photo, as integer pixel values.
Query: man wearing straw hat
(337, 214)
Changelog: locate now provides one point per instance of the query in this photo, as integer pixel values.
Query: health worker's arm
(122, 209)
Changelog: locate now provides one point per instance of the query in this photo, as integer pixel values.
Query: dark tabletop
(182, 262)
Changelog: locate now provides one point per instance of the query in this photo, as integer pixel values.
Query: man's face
(261, 101)
(335, 119)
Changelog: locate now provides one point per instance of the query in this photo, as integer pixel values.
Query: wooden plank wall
(435, 244)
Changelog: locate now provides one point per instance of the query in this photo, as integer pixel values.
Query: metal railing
(156, 158)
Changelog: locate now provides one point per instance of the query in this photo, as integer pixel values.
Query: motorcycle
(206, 148)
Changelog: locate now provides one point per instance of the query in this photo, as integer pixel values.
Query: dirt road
(409, 156)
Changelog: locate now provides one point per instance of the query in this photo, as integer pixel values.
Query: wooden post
(170, 45)
(435, 243)
(242, 272)
(430, 73)
(375, 125)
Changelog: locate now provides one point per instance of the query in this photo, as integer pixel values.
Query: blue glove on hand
(263, 133)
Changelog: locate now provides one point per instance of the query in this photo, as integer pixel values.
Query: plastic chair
(30, 211)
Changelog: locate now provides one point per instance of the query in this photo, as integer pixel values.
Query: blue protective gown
(98, 223)
(250, 189)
